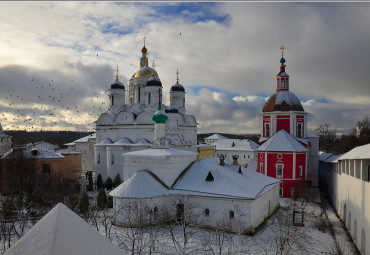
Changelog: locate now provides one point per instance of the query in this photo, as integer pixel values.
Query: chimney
(222, 160)
(235, 159)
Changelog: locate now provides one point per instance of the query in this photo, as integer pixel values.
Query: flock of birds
(49, 107)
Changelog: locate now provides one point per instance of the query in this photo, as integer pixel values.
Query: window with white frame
(299, 130)
(279, 170)
(261, 167)
(300, 170)
(267, 129)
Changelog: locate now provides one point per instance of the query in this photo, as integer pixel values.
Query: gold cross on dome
(177, 76)
(144, 40)
(282, 50)
(117, 74)
(153, 65)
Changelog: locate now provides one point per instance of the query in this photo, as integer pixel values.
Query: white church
(166, 178)
(128, 126)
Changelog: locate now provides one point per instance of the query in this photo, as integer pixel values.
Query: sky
(57, 60)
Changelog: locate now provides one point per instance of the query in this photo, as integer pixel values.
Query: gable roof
(282, 141)
(61, 232)
(216, 136)
(227, 182)
(82, 140)
(360, 152)
(141, 185)
(235, 144)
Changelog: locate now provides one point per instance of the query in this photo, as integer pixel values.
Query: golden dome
(146, 71)
(144, 50)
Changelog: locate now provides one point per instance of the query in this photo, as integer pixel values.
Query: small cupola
(117, 84)
(153, 80)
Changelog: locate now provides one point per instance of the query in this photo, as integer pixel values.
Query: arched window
(112, 159)
(138, 96)
(149, 98)
(98, 159)
(231, 215)
(206, 212)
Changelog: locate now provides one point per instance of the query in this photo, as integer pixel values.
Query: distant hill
(253, 137)
(62, 137)
(55, 137)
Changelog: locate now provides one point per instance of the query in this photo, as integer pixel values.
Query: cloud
(231, 48)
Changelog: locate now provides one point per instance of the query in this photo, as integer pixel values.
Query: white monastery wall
(349, 191)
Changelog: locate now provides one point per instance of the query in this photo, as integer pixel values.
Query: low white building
(213, 138)
(164, 178)
(240, 151)
(85, 146)
(347, 178)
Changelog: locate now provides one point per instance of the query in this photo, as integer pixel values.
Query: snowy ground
(277, 235)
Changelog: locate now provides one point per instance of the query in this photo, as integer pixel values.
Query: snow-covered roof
(227, 182)
(216, 136)
(123, 141)
(105, 142)
(235, 144)
(141, 185)
(333, 158)
(159, 153)
(324, 155)
(282, 141)
(62, 232)
(33, 152)
(46, 146)
(82, 140)
(360, 152)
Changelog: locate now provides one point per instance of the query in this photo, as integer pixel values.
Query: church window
(112, 99)
(98, 158)
(267, 130)
(368, 173)
(299, 130)
(231, 215)
(206, 212)
(46, 168)
(155, 209)
(281, 192)
(209, 177)
(138, 99)
(183, 102)
(112, 159)
(282, 84)
(279, 170)
(300, 170)
(149, 98)
(261, 167)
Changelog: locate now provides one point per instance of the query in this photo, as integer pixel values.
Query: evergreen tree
(109, 184)
(83, 206)
(90, 187)
(117, 180)
(109, 201)
(99, 182)
(101, 199)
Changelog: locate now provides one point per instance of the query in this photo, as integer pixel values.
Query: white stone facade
(348, 183)
(133, 121)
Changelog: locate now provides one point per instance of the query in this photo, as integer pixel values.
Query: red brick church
(285, 147)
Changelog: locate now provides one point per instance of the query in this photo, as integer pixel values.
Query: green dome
(159, 116)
